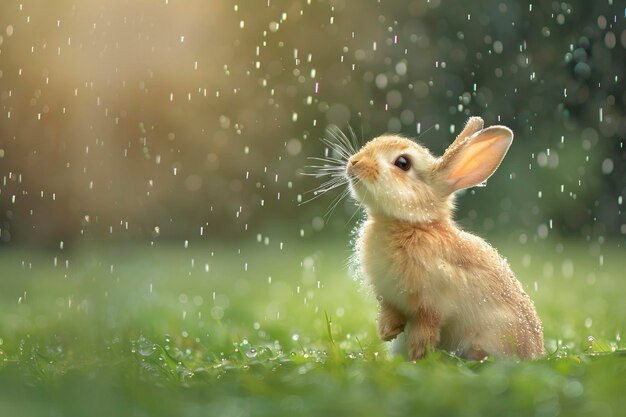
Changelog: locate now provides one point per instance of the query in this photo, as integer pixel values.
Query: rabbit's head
(394, 177)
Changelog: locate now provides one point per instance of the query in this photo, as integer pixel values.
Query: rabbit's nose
(352, 162)
(351, 166)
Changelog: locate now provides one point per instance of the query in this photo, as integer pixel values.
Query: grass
(257, 329)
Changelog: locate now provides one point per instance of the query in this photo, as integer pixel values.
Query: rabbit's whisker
(324, 188)
(329, 160)
(355, 141)
(344, 153)
(340, 137)
(335, 203)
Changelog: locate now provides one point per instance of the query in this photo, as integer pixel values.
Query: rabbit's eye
(403, 162)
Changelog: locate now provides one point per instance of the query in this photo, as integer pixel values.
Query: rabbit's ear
(473, 125)
(474, 159)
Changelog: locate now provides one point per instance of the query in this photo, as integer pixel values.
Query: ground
(265, 328)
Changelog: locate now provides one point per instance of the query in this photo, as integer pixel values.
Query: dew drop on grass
(145, 348)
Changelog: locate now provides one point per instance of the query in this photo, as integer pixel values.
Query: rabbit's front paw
(388, 330)
(391, 322)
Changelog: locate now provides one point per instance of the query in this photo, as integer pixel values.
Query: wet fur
(448, 288)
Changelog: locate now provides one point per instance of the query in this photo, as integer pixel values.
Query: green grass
(268, 331)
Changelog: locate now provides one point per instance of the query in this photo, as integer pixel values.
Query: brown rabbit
(453, 289)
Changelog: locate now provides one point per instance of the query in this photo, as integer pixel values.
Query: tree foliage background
(193, 119)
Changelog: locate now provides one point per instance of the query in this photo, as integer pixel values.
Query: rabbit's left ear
(472, 161)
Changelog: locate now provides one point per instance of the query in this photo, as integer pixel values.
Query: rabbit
(446, 288)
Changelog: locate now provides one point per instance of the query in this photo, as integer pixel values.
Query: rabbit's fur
(452, 288)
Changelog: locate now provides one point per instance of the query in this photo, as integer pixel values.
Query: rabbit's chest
(403, 276)
(387, 283)
(381, 267)
(406, 285)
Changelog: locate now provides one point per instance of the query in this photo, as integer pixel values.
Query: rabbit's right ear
(471, 161)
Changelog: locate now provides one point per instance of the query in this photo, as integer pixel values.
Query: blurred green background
(144, 120)
(154, 255)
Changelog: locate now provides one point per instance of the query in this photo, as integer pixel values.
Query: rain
(174, 208)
